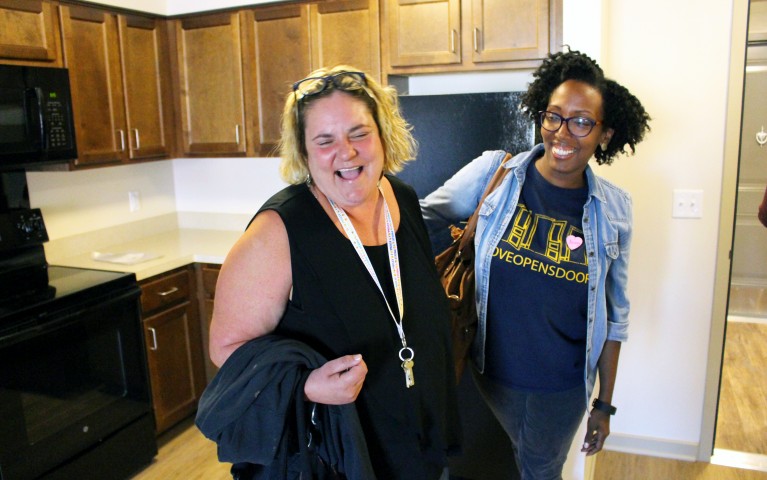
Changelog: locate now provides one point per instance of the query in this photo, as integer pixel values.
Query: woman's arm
(616, 284)
(598, 425)
(457, 199)
(253, 287)
(252, 293)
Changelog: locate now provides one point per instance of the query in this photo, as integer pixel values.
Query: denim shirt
(607, 233)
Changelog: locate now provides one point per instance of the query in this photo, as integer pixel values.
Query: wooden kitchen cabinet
(468, 35)
(207, 277)
(120, 85)
(282, 56)
(290, 41)
(212, 85)
(508, 30)
(92, 53)
(173, 344)
(30, 33)
(147, 86)
(346, 32)
(422, 32)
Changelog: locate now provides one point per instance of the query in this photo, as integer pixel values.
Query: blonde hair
(398, 143)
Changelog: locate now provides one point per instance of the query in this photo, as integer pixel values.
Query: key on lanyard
(407, 366)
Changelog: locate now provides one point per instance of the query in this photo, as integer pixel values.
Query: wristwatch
(603, 407)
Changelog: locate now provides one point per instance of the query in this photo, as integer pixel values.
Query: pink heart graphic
(573, 242)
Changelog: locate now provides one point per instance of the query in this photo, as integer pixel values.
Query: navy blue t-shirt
(537, 306)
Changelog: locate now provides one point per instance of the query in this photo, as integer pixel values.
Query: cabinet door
(211, 84)
(423, 32)
(282, 57)
(172, 351)
(93, 58)
(346, 32)
(143, 43)
(207, 275)
(508, 30)
(29, 31)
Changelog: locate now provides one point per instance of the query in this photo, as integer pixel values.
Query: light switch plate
(687, 204)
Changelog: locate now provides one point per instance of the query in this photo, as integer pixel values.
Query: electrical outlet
(687, 204)
(134, 201)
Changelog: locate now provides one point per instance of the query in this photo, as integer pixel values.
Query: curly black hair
(622, 111)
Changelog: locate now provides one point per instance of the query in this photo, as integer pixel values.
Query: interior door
(741, 420)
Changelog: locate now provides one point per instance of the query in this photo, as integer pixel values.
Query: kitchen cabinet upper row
(461, 35)
(235, 68)
(146, 87)
(119, 74)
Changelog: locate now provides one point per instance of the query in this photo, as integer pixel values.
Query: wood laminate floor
(185, 454)
(624, 466)
(742, 421)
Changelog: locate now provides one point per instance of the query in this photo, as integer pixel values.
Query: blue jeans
(541, 426)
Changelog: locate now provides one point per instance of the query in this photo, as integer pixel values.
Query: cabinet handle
(237, 134)
(154, 338)
(452, 40)
(138, 140)
(168, 292)
(476, 39)
(122, 140)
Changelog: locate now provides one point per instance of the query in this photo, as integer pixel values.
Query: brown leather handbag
(455, 266)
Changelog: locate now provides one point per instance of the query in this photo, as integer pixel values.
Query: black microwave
(36, 121)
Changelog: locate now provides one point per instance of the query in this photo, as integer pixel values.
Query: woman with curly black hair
(552, 250)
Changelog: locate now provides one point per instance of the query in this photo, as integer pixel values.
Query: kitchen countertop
(174, 246)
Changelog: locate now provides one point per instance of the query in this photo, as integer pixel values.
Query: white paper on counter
(124, 258)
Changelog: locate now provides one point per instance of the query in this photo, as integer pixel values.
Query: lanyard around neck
(391, 246)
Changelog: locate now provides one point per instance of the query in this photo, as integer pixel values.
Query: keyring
(401, 355)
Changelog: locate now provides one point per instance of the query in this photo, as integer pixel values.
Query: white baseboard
(686, 451)
(730, 458)
(654, 447)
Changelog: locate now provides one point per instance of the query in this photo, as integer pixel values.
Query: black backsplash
(454, 129)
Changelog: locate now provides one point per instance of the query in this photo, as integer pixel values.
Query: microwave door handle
(35, 106)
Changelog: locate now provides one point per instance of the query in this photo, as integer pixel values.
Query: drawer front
(165, 291)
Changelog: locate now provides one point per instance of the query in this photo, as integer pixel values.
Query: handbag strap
(471, 224)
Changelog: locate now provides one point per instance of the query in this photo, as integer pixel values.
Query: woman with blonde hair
(341, 262)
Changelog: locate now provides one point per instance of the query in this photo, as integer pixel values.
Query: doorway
(741, 418)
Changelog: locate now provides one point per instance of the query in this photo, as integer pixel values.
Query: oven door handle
(54, 320)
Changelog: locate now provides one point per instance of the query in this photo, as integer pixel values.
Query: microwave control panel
(57, 132)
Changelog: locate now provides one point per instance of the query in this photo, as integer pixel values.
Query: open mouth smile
(561, 151)
(349, 173)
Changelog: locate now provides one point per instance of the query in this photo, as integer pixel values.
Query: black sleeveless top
(337, 309)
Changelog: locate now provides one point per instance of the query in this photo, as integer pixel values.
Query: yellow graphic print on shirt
(540, 243)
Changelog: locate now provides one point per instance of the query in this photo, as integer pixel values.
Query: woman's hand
(597, 431)
(338, 382)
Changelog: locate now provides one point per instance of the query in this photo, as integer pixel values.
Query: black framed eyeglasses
(577, 126)
(346, 81)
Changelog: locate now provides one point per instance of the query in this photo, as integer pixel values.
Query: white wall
(231, 185)
(656, 49)
(682, 79)
(82, 201)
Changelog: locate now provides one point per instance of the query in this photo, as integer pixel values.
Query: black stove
(74, 387)
(63, 286)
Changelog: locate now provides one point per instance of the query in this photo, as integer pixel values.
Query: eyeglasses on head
(345, 81)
